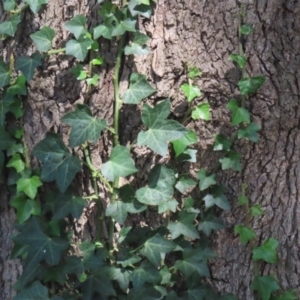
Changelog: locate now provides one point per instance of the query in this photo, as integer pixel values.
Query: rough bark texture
(203, 33)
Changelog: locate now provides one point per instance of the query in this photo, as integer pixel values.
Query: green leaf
(122, 26)
(246, 234)
(201, 111)
(120, 164)
(58, 163)
(9, 5)
(94, 80)
(264, 286)
(10, 27)
(249, 86)
(146, 2)
(204, 180)
(101, 30)
(194, 72)
(5, 103)
(139, 89)
(2, 158)
(77, 26)
(121, 276)
(160, 187)
(79, 72)
(4, 74)
(84, 126)
(36, 291)
(6, 140)
(222, 143)
(188, 155)
(43, 38)
(117, 211)
(145, 273)
(35, 5)
(169, 205)
(16, 162)
(243, 200)
(231, 161)
(184, 183)
(29, 186)
(256, 210)
(240, 60)
(27, 65)
(181, 144)
(160, 129)
(250, 132)
(156, 247)
(287, 295)
(25, 208)
(136, 8)
(209, 223)
(184, 226)
(217, 198)
(190, 91)
(137, 49)
(79, 48)
(18, 87)
(267, 251)
(246, 29)
(239, 114)
(98, 61)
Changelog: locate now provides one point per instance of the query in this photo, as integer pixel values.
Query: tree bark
(204, 34)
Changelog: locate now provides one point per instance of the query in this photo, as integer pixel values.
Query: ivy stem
(55, 51)
(19, 10)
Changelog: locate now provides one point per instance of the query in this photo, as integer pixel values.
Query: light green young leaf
(194, 72)
(201, 111)
(246, 234)
(256, 210)
(85, 127)
(160, 129)
(222, 143)
(79, 72)
(249, 86)
(4, 74)
(17, 163)
(120, 164)
(250, 132)
(29, 186)
(43, 38)
(79, 48)
(77, 26)
(239, 114)
(267, 251)
(27, 65)
(217, 198)
(181, 144)
(240, 60)
(184, 183)
(204, 180)
(146, 2)
(139, 89)
(10, 27)
(18, 87)
(242, 200)
(190, 91)
(160, 187)
(209, 222)
(231, 161)
(94, 80)
(246, 29)
(35, 5)
(98, 61)
(264, 286)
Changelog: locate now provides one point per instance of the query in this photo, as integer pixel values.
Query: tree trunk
(204, 34)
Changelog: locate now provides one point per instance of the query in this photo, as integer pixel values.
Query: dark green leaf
(160, 129)
(1, 162)
(246, 234)
(181, 144)
(222, 143)
(264, 286)
(79, 48)
(77, 26)
(5, 104)
(35, 5)
(121, 276)
(239, 114)
(209, 222)
(79, 72)
(6, 140)
(190, 91)
(231, 161)
(217, 198)
(10, 27)
(101, 30)
(246, 29)
(188, 155)
(43, 38)
(117, 211)
(120, 164)
(27, 65)
(240, 60)
(4, 74)
(139, 89)
(137, 8)
(58, 163)
(36, 291)
(18, 87)
(250, 132)
(249, 86)
(287, 295)
(169, 205)
(256, 210)
(29, 186)
(205, 181)
(184, 183)
(201, 112)
(84, 126)
(267, 251)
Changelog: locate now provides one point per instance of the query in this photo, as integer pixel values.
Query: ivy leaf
(209, 223)
(190, 91)
(240, 60)
(194, 72)
(185, 226)
(160, 130)
(121, 276)
(94, 80)
(137, 8)
(6, 140)
(36, 291)
(101, 30)
(160, 186)
(264, 286)
(4, 74)
(139, 89)
(138, 45)
(287, 295)
(267, 251)
(246, 29)
(5, 104)
(27, 65)
(250, 132)
(10, 27)
(201, 111)
(9, 5)
(77, 26)
(120, 164)
(18, 87)
(17, 163)
(181, 144)
(117, 211)
(169, 205)
(231, 161)
(239, 114)
(222, 143)
(217, 198)
(249, 86)
(184, 183)
(256, 210)
(155, 247)
(242, 200)
(204, 180)
(58, 163)
(188, 155)
(29, 186)
(84, 126)
(35, 5)
(125, 25)
(246, 234)
(25, 208)
(43, 38)
(79, 48)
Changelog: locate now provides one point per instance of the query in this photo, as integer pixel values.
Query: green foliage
(239, 114)
(204, 180)
(246, 234)
(77, 26)
(250, 85)
(190, 91)
(267, 251)
(10, 27)
(27, 65)
(79, 48)
(35, 5)
(231, 161)
(264, 286)
(240, 60)
(217, 198)
(181, 144)
(250, 132)
(43, 38)
(4, 74)
(201, 111)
